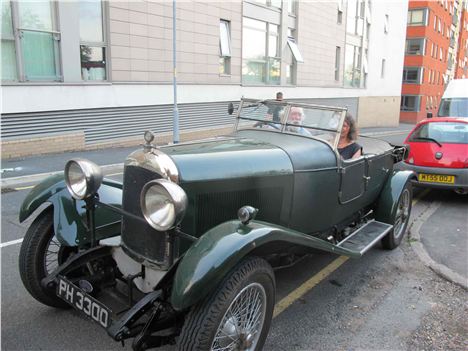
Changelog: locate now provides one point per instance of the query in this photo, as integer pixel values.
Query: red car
(439, 153)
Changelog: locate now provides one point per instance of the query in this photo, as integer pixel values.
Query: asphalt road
(387, 300)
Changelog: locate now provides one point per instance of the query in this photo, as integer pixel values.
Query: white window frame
(18, 33)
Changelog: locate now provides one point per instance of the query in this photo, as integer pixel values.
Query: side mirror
(231, 108)
(429, 115)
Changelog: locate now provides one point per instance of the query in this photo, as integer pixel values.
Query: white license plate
(83, 302)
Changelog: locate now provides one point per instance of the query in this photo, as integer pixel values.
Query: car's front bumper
(460, 174)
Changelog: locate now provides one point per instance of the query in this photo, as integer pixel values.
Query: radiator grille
(138, 236)
(215, 208)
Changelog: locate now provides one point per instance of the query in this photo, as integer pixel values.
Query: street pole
(175, 121)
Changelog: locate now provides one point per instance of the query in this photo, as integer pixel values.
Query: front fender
(386, 206)
(70, 214)
(211, 258)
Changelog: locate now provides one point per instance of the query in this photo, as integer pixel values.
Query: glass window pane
(224, 41)
(39, 55)
(349, 65)
(276, 3)
(35, 15)
(295, 50)
(248, 22)
(253, 44)
(292, 6)
(417, 16)
(351, 16)
(8, 60)
(91, 21)
(93, 63)
(273, 46)
(7, 27)
(253, 72)
(274, 71)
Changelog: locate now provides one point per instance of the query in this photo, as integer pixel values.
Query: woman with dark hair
(347, 147)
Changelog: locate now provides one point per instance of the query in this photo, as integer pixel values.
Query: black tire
(400, 222)
(33, 266)
(253, 278)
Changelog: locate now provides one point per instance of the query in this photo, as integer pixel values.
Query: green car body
(303, 190)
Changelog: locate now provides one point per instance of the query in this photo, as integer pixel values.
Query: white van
(454, 102)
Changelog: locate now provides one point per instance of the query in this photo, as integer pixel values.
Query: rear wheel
(237, 315)
(40, 254)
(401, 219)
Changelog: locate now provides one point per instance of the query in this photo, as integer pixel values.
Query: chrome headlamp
(82, 177)
(163, 204)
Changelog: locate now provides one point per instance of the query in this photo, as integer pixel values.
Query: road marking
(309, 284)
(13, 242)
(24, 187)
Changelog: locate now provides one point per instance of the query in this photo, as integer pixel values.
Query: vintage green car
(184, 251)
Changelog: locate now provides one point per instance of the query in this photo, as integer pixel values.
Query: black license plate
(84, 302)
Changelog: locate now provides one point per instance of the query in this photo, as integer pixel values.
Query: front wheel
(40, 254)
(237, 315)
(401, 219)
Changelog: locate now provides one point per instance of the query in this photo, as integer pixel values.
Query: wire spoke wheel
(400, 219)
(241, 325)
(402, 214)
(236, 315)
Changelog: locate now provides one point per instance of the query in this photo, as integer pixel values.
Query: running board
(363, 239)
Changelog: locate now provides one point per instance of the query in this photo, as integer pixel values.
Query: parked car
(439, 153)
(185, 249)
(454, 102)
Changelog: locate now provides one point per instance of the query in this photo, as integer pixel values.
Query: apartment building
(433, 53)
(79, 75)
(462, 55)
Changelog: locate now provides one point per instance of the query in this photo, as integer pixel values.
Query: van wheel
(237, 315)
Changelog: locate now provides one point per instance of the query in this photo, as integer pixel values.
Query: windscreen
(318, 122)
(454, 107)
(441, 132)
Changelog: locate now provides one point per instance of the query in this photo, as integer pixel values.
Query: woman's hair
(352, 134)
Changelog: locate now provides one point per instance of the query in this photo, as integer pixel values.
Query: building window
(352, 73)
(355, 17)
(261, 52)
(435, 22)
(291, 58)
(413, 75)
(272, 3)
(410, 103)
(292, 7)
(382, 71)
(337, 63)
(92, 41)
(417, 17)
(224, 47)
(31, 25)
(415, 46)
(339, 18)
(9, 71)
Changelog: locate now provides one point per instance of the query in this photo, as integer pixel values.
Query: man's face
(295, 115)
